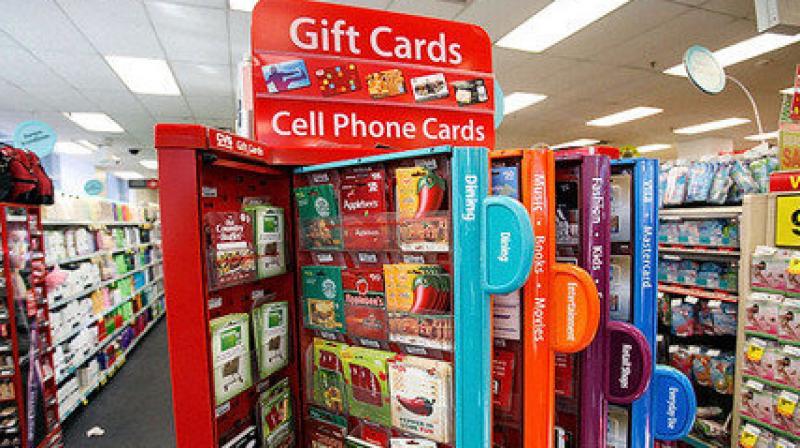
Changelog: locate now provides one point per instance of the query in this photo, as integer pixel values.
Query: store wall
(694, 149)
(70, 173)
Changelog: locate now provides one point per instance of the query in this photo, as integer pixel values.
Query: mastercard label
(338, 80)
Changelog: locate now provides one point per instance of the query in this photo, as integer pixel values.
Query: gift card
(386, 83)
(338, 79)
(430, 87)
(285, 76)
(471, 92)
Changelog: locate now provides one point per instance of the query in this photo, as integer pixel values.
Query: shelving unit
(750, 216)
(106, 326)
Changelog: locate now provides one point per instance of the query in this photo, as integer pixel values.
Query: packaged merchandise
(365, 372)
(786, 415)
(420, 195)
(365, 304)
(271, 337)
(505, 181)
(319, 219)
(411, 443)
(787, 366)
(721, 184)
(326, 430)
(681, 359)
(506, 316)
(417, 288)
(323, 298)
(701, 367)
(676, 180)
(618, 427)
(751, 436)
(231, 256)
(503, 366)
(760, 358)
(789, 320)
(363, 193)
(276, 416)
(769, 268)
(328, 380)
(758, 401)
(701, 175)
(370, 435)
(567, 210)
(268, 223)
(620, 288)
(421, 397)
(722, 369)
(762, 313)
(230, 350)
(621, 191)
(723, 318)
(684, 318)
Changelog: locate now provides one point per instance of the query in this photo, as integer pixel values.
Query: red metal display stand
(24, 266)
(195, 159)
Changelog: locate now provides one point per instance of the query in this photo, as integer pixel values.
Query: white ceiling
(52, 52)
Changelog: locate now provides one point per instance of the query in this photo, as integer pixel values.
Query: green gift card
(230, 350)
(320, 222)
(366, 375)
(271, 334)
(323, 298)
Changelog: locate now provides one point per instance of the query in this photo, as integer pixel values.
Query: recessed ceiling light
(577, 143)
(128, 175)
(520, 100)
(94, 121)
(744, 50)
(145, 76)
(788, 91)
(242, 5)
(72, 148)
(149, 164)
(764, 136)
(653, 147)
(712, 126)
(625, 116)
(88, 144)
(557, 21)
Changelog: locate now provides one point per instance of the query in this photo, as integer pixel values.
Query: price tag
(755, 350)
(787, 402)
(749, 436)
(367, 257)
(787, 221)
(755, 385)
(223, 409)
(214, 302)
(783, 443)
(209, 192)
(794, 266)
(257, 294)
(691, 299)
(410, 258)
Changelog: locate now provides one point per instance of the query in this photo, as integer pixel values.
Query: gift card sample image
(471, 92)
(285, 76)
(430, 87)
(230, 348)
(386, 83)
(338, 79)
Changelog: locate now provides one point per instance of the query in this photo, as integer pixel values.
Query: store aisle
(135, 408)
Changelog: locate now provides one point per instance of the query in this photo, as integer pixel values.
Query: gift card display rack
(703, 274)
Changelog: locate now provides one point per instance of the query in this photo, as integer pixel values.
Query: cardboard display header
(331, 76)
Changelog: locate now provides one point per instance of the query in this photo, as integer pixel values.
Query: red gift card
(338, 79)
(503, 379)
(365, 303)
(565, 379)
(364, 209)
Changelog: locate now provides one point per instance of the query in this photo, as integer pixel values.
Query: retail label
(781, 443)
(435, 77)
(223, 409)
(209, 192)
(756, 349)
(787, 402)
(214, 302)
(787, 221)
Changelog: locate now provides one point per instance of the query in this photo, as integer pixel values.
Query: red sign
(784, 181)
(795, 113)
(326, 75)
(152, 184)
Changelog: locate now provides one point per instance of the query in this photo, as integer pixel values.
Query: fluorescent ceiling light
(149, 164)
(712, 126)
(145, 76)
(242, 5)
(128, 175)
(788, 91)
(557, 21)
(72, 148)
(625, 116)
(764, 136)
(94, 121)
(577, 143)
(653, 147)
(744, 50)
(520, 100)
(88, 144)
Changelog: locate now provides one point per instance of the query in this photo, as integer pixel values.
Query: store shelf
(99, 253)
(99, 345)
(52, 223)
(793, 295)
(771, 383)
(699, 443)
(84, 394)
(698, 291)
(87, 291)
(773, 429)
(699, 250)
(699, 212)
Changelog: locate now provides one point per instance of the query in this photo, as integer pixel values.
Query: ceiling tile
(24, 70)
(219, 4)
(166, 106)
(430, 8)
(498, 17)
(190, 33)
(7, 41)
(84, 71)
(53, 30)
(64, 100)
(115, 28)
(115, 102)
(374, 4)
(15, 99)
(203, 79)
(739, 8)
(214, 107)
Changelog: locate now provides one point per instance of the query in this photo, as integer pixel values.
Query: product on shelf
(421, 397)
(319, 219)
(366, 375)
(271, 337)
(328, 382)
(230, 347)
(365, 303)
(231, 253)
(323, 298)
(269, 239)
(276, 415)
